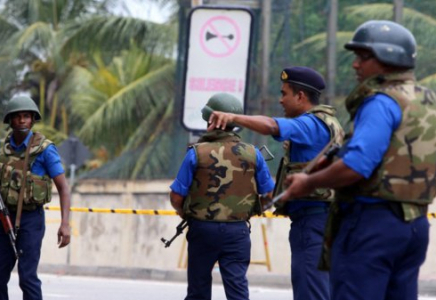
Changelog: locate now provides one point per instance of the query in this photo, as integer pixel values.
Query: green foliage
(91, 72)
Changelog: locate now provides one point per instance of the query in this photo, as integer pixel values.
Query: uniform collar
(23, 145)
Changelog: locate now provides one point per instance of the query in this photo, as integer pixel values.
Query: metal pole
(266, 29)
(264, 85)
(196, 3)
(331, 51)
(398, 11)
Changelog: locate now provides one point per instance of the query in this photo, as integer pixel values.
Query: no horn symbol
(220, 36)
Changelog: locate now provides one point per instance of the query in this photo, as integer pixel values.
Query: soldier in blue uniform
(305, 130)
(44, 165)
(378, 231)
(217, 190)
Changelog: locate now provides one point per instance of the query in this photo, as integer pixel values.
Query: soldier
(217, 189)
(25, 201)
(306, 129)
(385, 176)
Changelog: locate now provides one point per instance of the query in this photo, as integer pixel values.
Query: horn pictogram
(212, 36)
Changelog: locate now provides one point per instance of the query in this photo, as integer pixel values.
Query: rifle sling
(23, 186)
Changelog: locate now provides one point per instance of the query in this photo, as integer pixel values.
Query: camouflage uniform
(381, 221)
(222, 196)
(38, 188)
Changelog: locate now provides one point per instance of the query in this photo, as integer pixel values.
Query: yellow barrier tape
(160, 212)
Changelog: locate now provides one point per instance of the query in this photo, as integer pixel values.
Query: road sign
(73, 152)
(217, 60)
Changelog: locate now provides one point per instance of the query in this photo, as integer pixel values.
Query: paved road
(95, 288)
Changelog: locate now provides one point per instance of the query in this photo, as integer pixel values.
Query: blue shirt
(184, 178)
(47, 162)
(375, 121)
(308, 136)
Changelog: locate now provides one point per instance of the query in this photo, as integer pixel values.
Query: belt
(26, 207)
(307, 211)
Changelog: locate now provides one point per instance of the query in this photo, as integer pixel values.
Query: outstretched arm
(64, 234)
(260, 124)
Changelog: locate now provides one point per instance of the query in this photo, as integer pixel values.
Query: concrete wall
(133, 241)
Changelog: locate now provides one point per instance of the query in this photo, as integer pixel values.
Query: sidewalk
(427, 286)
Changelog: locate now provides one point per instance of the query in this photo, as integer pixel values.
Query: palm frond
(51, 133)
(6, 29)
(159, 130)
(147, 127)
(421, 25)
(122, 112)
(36, 38)
(110, 34)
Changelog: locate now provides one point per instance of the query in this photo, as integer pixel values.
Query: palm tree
(127, 107)
(107, 73)
(47, 39)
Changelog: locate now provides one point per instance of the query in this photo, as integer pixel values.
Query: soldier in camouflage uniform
(43, 165)
(217, 190)
(378, 231)
(306, 129)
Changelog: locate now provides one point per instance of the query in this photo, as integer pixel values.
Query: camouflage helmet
(21, 103)
(390, 42)
(222, 102)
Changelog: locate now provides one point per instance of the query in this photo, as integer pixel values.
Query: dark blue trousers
(228, 244)
(376, 255)
(29, 240)
(305, 238)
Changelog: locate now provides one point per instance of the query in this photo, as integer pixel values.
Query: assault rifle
(7, 226)
(179, 231)
(329, 151)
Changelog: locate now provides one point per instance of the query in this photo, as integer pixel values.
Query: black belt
(26, 207)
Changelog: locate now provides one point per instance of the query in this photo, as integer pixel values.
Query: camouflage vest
(224, 187)
(38, 188)
(326, 114)
(407, 171)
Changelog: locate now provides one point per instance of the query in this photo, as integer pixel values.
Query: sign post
(218, 56)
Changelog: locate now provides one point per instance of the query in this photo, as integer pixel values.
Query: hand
(219, 120)
(297, 186)
(180, 213)
(64, 235)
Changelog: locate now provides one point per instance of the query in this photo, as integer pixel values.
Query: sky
(145, 10)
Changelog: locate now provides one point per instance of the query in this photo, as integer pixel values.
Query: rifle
(179, 230)
(7, 226)
(328, 151)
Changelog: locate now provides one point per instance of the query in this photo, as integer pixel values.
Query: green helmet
(390, 42)
(21, 103)
(222, 102)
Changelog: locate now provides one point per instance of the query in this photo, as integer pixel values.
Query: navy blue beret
(305, 77)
